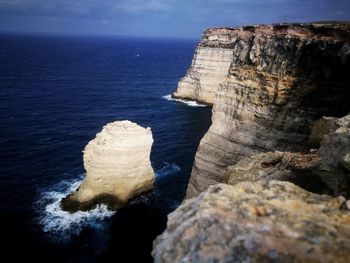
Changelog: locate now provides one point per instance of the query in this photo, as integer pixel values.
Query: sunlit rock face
(257, 222)
(209, 68)
(280, 79)
(118, 167)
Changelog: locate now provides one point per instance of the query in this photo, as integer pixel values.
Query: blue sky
(175, 18)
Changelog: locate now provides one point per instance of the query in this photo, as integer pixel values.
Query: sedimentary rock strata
(257, 222)
(209, 68)
(118, 167)
(301, 169)
(281, 78)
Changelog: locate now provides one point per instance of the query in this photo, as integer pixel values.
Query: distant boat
(136, 55)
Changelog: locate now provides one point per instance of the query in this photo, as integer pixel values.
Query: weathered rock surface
(118, 167)
(335, 146)
(320, 128)
(300, 169)
(209, 68)
(257, 222)
(281, 79)
(325, 171)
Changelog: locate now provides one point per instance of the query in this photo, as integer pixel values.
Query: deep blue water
(56, 93)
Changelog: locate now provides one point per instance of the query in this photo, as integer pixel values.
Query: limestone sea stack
(274, 82)
(118, 167)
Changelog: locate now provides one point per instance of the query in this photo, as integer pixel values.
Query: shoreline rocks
(118, 167)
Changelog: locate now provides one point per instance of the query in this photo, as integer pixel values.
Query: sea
(56, 93)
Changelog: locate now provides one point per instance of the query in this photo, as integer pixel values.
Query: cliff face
(209, 68)
(279, 79)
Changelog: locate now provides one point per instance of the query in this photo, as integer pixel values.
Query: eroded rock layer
(281, 78)
(257, 222)
(209, 67)
(118, 167)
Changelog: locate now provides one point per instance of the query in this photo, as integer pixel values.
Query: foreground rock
(280, 80)
(118, 167)
(257, 222)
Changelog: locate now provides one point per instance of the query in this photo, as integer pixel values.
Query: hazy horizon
(158, 18)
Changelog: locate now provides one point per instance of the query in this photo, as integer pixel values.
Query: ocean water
(56, 93)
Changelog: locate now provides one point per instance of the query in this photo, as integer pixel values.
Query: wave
(168, 169)
(62, 225)
(191, 103)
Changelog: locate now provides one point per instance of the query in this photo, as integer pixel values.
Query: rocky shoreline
(277, 80)
(271, 177)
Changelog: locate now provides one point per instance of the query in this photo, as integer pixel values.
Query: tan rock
(209, 68)
(335, 147)
(300, 169)
(256, 222)
(320, 128)
(118, 167)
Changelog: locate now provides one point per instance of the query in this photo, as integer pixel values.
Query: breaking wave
(62, 225)
(191, 103)
(168, 169)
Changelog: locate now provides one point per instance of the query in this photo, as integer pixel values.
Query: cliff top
(327, 30)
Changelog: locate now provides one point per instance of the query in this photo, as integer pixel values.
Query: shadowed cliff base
(71, 204)
(267, 83)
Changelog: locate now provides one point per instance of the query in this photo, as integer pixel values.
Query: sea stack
(118, 167)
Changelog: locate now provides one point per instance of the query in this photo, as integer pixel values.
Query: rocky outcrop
(209, 68)
(325, 171)
(320, 128)
(257, 222)
(301, 169)
(281, 78)
(335, 147)
(118, 167)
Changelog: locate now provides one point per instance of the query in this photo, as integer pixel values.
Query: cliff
(118, 167)
(260, 216)
(267, 84)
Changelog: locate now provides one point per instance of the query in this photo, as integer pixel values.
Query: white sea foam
(62, 225)
(191, 103)
(168, 169)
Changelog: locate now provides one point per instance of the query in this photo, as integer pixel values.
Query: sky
(161, 18)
